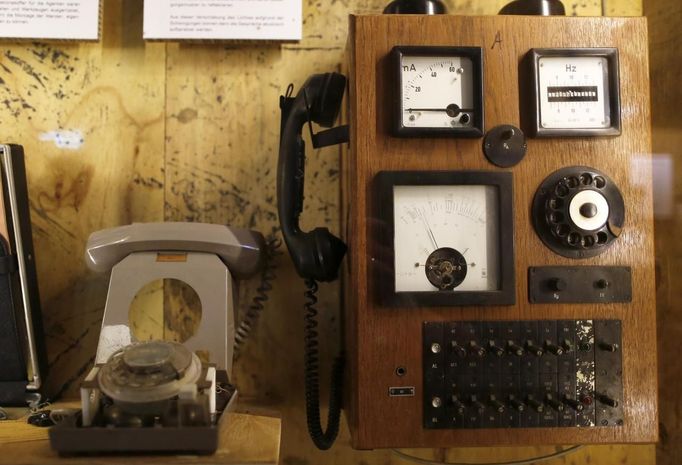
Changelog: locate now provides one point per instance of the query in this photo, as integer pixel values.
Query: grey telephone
(208, 256)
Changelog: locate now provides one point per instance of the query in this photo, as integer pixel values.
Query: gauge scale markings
(430, 219)
(438, 91)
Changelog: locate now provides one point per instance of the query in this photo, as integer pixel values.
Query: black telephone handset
(317, 254)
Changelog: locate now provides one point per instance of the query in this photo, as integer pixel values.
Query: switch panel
(579, 284)
(521, 374)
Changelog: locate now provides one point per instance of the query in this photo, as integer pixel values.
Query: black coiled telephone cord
(322, 439)
(267, 277)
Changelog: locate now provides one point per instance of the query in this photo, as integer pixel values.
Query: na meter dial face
(575, 92)
(449, 238)
(438, 91)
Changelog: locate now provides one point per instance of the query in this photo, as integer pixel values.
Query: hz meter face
(438, 91)
(575, 92)
(451, 237)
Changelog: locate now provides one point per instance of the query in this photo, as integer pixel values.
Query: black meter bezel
(506, 292)
(474, 53)
(529, 85)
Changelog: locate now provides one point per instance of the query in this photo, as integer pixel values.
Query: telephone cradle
(158, 396)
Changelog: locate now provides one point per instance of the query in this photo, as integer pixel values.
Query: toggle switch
(457, 349)
(532, 349)
(557, 284)
(574, 404)
(606, 400)
(608, 347)
(475, 349)
(476, 404)
(602, 284)
(457, 405)
(514, 348)
(553, 348)
(567, 345)
(495, 349)
(535, 404)
(496, 404)
(516, 404)
(554, 403)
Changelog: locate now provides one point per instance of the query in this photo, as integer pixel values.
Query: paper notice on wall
(49, 19)
(223, 19)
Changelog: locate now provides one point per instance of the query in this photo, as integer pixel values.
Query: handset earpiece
(317, 254)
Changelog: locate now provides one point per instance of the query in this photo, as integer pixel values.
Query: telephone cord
(528, 461)
(322, 439)
(268, 275)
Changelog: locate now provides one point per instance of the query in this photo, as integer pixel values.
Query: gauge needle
(452, 110)
(428, 230)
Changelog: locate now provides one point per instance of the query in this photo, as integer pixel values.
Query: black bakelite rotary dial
(578, 212)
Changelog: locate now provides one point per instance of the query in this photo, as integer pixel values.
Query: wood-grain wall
(189, 132)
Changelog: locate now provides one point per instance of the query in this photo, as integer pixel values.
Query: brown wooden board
(380, 339)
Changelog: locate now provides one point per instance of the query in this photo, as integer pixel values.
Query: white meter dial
(575, 92)
(439, 91)
(446, 238)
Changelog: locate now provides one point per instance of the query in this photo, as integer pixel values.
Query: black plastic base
(71, 440)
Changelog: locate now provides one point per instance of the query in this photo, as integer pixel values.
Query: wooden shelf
(245, 438)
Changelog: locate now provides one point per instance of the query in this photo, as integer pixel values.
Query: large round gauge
(438, 91)
(575, 92)
(452, 238)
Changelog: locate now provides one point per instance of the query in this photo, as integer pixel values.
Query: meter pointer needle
(429, 231)
(452, 110)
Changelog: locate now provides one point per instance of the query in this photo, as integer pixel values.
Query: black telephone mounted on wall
(317, 254)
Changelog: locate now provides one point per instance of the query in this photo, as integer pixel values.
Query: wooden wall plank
(111, 94)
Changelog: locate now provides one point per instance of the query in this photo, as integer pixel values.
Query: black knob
(602, 284)
(588, 210)
(532, 349)
(554, 403)
(608, 347)
(535, 404)
(567, 345)
(475, 349)
(534, 7)
(516, 404)
(495, 349)
(557, 284)
(574, 404)
(476, 404)
(553, 348)
(514, 348)
(457, 349)
(457, 405)
(604, 399)
(415, 7)
(496, 404)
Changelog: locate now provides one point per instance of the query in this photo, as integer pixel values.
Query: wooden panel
(665, 48)
(381, 339)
